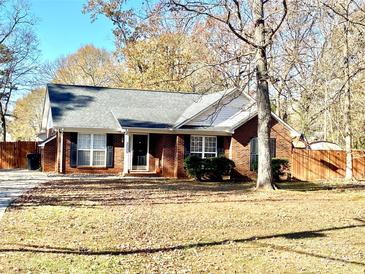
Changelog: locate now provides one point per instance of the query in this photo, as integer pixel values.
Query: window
(91, 149)
(203, 146)
(254, 156)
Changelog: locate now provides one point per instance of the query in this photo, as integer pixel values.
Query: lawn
(167, 226)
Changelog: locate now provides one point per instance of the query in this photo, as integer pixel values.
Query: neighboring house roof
(300, 142)
(118, 109)
(324, 145)
(41, 136)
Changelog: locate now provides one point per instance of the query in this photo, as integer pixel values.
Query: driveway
(15, 182)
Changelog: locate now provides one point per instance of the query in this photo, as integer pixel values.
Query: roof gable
(221, 111)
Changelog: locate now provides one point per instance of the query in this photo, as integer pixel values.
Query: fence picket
(14, 154)
(325, 164)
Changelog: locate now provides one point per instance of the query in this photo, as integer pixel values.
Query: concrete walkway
(15, 182)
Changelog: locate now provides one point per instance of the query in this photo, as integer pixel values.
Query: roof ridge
(131, 89)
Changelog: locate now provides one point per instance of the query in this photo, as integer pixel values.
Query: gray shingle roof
(97, 107)
(107, 108)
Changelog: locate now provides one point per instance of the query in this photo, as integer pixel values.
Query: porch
(153, 155)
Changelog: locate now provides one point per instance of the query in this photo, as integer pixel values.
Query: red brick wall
(167, 151)
(168, 155)
(241, 146)
(179, 171)
(49, 156)
(118, 140)
(155, 153)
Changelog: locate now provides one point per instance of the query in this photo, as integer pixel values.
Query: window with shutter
(110, 150)
(186, 145)
(73, 152)
(254, 156)
(220, 145)
(91, 149)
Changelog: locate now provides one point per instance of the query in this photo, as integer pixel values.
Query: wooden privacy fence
(14, 154)
(308, 165)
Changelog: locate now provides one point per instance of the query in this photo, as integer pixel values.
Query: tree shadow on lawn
(319, 186)
(293, 235)
(120, 193)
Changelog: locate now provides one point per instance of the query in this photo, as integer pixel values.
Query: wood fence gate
(14, 154)
(308, 165)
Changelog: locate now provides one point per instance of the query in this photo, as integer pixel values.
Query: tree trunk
(347, 112)
(3, 126)
(264, 176)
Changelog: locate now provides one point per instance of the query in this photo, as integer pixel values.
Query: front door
(140, 146)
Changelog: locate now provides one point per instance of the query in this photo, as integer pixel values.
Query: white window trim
(91, 149)
(203, 146)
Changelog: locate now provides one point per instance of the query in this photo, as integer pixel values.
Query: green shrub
(278, 167)
(209, 168)
(220, 166)
(194, 166)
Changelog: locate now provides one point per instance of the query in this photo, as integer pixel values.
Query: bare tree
(253, 25)
(349, 14)
(18, 53)
(293, 56)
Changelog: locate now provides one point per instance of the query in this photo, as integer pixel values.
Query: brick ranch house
(138, 132)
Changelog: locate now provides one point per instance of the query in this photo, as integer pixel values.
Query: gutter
(61, 152)
(293, 131)
(179, 131)
(88, 130)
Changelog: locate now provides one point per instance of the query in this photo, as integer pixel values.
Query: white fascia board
(180, 131)
(47, 140)
(148, 130)
(49, 120)
(277, 118)
(249, 97)
(116, 120)
(91, 130)
(292, 130)
(237, 125)
(45, 111)
(251, 112)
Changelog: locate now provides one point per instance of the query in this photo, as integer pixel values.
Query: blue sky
(62, 28)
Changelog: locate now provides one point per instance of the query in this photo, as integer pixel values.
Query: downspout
(61, 152)
(126, 152)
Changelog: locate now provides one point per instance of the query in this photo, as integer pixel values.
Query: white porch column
(126, 152)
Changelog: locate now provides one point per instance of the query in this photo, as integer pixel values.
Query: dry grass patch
(166, 226)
